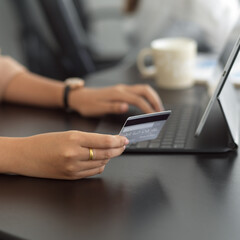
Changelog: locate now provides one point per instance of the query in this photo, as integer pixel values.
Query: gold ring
(90, 154)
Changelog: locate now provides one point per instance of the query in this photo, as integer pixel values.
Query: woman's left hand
(115, 99)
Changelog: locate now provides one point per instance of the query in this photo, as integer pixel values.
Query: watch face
(74, 82)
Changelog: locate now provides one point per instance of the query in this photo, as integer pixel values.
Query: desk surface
(137, 197)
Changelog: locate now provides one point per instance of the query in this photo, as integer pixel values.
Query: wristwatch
(71, 84)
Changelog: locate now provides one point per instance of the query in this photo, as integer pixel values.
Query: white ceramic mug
(173, 62)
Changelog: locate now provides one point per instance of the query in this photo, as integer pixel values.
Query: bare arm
(29, 88)
(62, 155)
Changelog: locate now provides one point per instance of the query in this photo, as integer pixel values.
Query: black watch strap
(67, 89)
(70, 85)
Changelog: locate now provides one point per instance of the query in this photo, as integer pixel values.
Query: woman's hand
(115, 99)
(63, 155)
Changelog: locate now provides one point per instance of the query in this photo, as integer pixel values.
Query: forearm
(10, 150)
(24, 156)
(32, 89)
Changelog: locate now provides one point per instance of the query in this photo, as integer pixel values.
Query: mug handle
(147, 72)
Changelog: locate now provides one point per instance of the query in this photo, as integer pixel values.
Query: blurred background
(66, 38)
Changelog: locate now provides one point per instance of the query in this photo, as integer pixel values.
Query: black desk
(137, 197)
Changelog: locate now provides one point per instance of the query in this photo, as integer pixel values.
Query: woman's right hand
(64, 155)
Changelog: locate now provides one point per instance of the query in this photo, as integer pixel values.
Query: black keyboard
(175, 132)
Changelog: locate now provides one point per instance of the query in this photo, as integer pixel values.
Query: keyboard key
(142, 144)
(154, 145)
(166, 146)
(167, 142)
(178, 146)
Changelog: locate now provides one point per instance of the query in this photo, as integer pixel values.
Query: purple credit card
(144, 127)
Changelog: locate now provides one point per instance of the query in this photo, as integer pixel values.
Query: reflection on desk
(137, 197)
(85, 204)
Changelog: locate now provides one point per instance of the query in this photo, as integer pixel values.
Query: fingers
(148, 93)
(89, 173)
(89, 165)
(85, 167)
(142, 96)
(116, 107)
(136, 100)
(102, 154)
(111, 107)
(100, 141)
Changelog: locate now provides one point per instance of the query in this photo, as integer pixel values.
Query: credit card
(144, 127)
